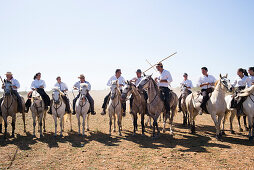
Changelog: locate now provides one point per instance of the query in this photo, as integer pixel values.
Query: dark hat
(204, 68)
(159, 64)
(185, 74)
(138, 71)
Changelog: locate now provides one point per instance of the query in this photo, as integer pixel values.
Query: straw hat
(81, 76)
(8, 73)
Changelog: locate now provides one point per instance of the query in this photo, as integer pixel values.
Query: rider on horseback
(89, 97)
(206, 82)
(251, 72)
(240, 83)
(121, 82)
(186, 83)
(62, 87)
(136, 81)
(39, 86)
(164, 81)
(15, 86)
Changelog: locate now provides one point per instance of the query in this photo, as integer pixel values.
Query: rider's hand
(156, 79)
(41, 87)
(15, 87)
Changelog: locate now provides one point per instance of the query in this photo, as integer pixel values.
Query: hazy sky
(67, 38)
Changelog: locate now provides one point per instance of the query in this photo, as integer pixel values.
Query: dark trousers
(106, 101)
(67, 103)
(180, 100)
(205, 94)
(89, 98)
(44, 97)
(165, 93)
(238, 103)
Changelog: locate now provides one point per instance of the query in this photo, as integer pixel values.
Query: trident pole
(159, 62)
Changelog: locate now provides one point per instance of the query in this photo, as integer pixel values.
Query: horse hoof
(143, 134)
(41, 136)
(241, 130)
(232, 132)
(134, 134)
(88, 129)
(120, 134)
(218, 137)
(61, 135)
(12, 136)
(222, 133)
(114, 130)
(251, 138)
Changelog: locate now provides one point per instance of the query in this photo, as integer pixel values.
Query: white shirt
(137, 80)
(62, 86)
(38, 83)
(206, 79)
(251, 79)
(15, 82)
(187, 83)
(77, 85)
(165, 75)
(245, 81)
(121, 81)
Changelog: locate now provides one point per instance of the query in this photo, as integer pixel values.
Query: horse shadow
(22, 142)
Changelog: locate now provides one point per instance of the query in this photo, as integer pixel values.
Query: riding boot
(28, 104)
(50, 107)
(91, 101)
(105, 103)
(204, 109)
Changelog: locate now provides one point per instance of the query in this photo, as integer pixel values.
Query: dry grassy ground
(97, 150)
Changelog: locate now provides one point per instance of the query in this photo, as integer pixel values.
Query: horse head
(127, 90)
(37, 99)
(114, 89)
(143, 84)
(56, 95)
(7, 88)
(83, 90)
(226, 82)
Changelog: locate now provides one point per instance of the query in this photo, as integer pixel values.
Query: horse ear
(227, 75)
(127, 82)
(220, 76)
(144, 74)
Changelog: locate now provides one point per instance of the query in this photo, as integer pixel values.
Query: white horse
(186, 116)
(248, 108)
(58, 109)
(216, 105)
(39, 112)
(156, 105)
(82, 107)
(115, 107)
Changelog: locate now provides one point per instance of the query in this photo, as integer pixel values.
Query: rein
(8, 106)
(251, 98)
(83, 105)
(54, 104)
(114, 106)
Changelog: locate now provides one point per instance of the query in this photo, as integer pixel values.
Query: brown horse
(9, 108)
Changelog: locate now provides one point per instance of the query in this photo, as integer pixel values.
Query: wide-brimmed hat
(81, 76)
(159, 64)
(8, 73)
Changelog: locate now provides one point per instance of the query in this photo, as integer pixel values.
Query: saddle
(163, 95)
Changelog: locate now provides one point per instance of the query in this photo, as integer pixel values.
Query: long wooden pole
(159, 62)
(151, 65)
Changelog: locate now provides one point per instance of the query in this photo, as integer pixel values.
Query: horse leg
(61, 125)
(44, 122)
(142, 123)
(157, 127)
(231, 122)
(55, 120)
(134, 123)
(40, 125)
(83, 124)
(110, 122)
(213, 115)
(154, 124)
(70, 122)
(5, 126)
(78, 118)
(87, 122)
(119, 121)
(245, 123)
(223, 125)
(250, 121)
(13, 125)
(171, 121)
(34, 124)
(114, 115)
(192, 121)
(1, 120)
(220, 117)
(164, 121)
(24, 121)
(239, 123)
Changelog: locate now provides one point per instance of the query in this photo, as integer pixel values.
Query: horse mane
(155, 84)
(215, 84)
(247, 91)
(83, 85)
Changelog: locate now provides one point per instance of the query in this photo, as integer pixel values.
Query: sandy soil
(97, 150)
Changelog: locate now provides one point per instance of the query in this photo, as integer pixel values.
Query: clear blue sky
(66, 38)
